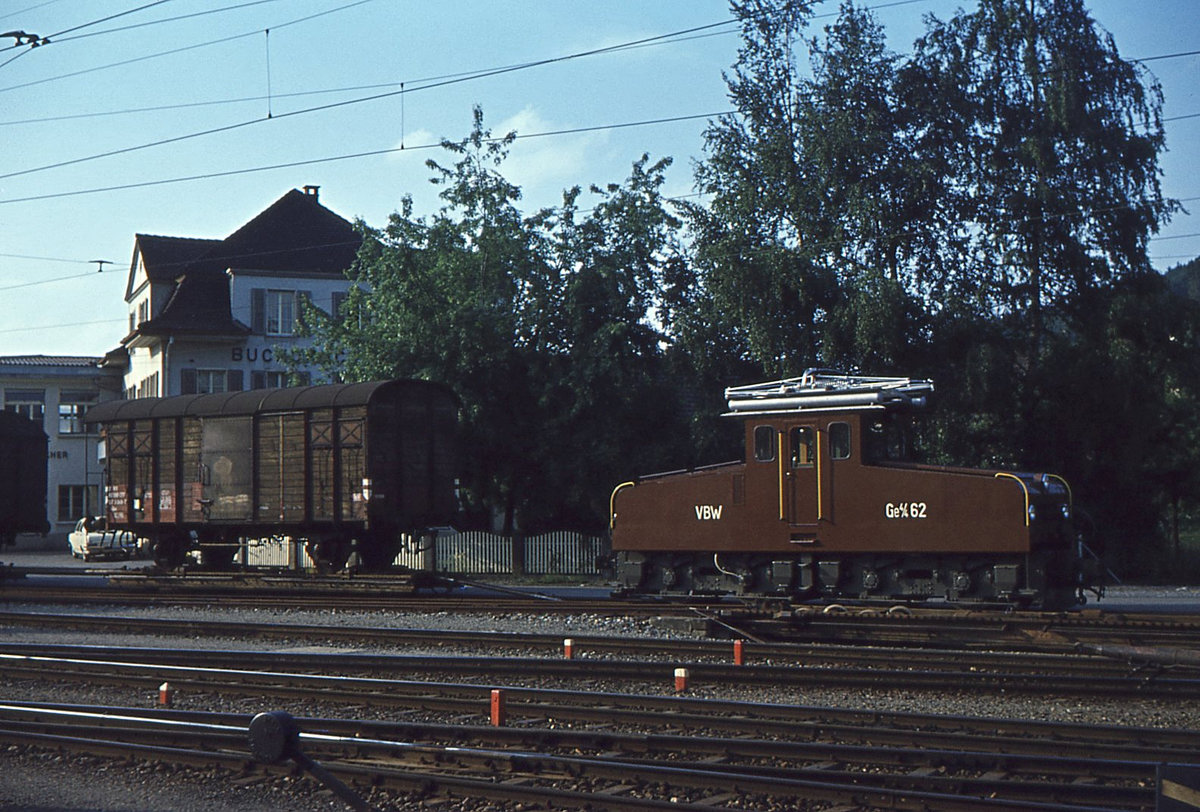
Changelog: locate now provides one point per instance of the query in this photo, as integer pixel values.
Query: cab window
(803, 446)
(764, 443)
(839, 441)
(889, 440)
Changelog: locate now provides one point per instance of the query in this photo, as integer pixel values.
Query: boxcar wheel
(376, 554)
(217, 558)
(169, 552)
(330, 555)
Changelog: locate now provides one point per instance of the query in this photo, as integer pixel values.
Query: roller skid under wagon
(351, 469)
(828, 504)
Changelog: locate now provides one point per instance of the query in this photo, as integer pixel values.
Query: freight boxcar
(348, 468)
(828, 503)
(23, 460)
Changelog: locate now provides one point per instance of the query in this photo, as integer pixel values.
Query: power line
(164, 20)
(19, 12)
(36, 282)
(182, 49)
(41, 259)
(351, 156)
(106, 19)
(61, 326)
(454, 79)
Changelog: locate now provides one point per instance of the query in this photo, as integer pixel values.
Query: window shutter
(187, 381)
(233, 380)
(339, 299)
(258, 311)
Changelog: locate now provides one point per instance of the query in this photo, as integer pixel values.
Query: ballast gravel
(35, 780)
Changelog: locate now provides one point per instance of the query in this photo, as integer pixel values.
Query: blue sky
(304, 81)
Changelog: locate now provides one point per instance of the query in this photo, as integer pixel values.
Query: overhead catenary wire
(401, 92)
(404, 89)
(182, 49)
(345, 157)
(456, 79)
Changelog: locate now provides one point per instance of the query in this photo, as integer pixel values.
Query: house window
(143, 311)
(148, 388)
(28, 402)
(271, 379)
(194, 381)
(210, 380)
(281, 312)
(72, 406)
(76, 501)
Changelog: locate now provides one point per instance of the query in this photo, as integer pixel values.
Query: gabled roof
(295, 233)
(164, 258)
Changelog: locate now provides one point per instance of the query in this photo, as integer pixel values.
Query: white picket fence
(468, 553)
(481, 553)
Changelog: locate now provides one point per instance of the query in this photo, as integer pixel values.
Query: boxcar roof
(13, 424)
(254, 401)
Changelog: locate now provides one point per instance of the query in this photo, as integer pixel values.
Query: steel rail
(386, 755)
(1014, 630)
(639, 710)
(1072, 661)
(208, 729)
(1087, 677)
(849, 621)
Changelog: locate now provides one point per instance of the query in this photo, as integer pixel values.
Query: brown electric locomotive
(828, 504)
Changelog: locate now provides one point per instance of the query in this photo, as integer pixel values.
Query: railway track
(1051, 767)
(605, 729)
(349, 593)
(926, 671)
(1072, 670)
(776, 620)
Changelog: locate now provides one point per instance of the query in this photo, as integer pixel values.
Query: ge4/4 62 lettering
(905, 510)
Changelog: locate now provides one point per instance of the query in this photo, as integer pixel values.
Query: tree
(807, 243)
(541, 324)
(1049, 142)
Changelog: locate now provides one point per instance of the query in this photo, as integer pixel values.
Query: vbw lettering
(708, 513)
(905, 510)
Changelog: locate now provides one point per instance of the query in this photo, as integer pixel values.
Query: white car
(91, 538)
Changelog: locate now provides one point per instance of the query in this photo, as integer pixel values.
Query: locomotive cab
(829, 503)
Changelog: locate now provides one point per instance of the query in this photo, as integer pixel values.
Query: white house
(210, 315)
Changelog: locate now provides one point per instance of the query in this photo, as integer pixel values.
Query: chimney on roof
(312, 191)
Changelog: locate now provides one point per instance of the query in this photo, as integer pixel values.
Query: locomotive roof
(819, 390)
(254, 401)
